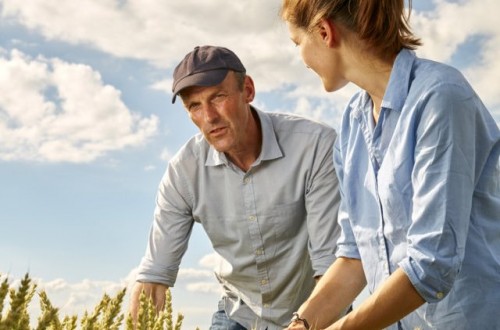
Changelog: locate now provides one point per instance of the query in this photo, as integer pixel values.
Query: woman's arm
(336, 290)
(395, 299)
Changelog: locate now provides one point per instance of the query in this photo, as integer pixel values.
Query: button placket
(255, 234)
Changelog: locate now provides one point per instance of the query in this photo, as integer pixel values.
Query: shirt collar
(270, 147)
(397, 88)
(399, 81)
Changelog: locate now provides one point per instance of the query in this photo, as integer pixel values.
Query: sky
(87, 126)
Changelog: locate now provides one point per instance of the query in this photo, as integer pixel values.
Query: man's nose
(211, 113)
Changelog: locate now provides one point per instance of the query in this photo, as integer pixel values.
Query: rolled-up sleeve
(170, 232)
(443, 184)
(322, 204)
(346, 244)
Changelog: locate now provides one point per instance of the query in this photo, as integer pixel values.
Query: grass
(107, 315)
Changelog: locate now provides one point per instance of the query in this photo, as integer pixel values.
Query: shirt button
(251, 218)
(246, 180)
(263, 282)
(266, 305)
(259, 252)
(417, 328)
(439, 295)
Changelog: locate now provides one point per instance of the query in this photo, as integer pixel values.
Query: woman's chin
(334, 87)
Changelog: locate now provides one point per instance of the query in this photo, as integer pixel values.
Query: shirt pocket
(288, 219)
(282, 225)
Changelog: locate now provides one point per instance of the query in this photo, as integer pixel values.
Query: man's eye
(194, 107)
(219, 97)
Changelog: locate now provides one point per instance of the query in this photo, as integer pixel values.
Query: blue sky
(87, 126)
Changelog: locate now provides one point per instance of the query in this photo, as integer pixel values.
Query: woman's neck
(372, 74)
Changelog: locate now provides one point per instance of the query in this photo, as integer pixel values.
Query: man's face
(221, 112)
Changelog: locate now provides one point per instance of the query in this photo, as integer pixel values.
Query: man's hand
(155, 291)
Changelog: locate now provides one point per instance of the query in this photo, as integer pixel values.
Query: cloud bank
(51, 110)
(454, 24)
(60, 111)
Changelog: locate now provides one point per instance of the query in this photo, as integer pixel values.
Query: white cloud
(204, 287)
(162, 32)
(163, 85)
(55, 111)
(190, 273)
(451, 25)
(144, 29)
(211, 260)
(202, 280)
(76, 298)
(70, 298)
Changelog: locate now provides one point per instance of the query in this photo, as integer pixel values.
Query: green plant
(107, 315)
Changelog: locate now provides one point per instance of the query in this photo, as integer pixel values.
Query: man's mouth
(217, 131)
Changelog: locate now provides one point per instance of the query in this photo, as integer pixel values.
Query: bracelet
(297, 318)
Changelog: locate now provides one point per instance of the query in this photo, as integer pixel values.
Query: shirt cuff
(430, 288)
(151, 273)
(348, 251)
(321, 264)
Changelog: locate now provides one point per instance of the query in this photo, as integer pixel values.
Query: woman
(418, 162)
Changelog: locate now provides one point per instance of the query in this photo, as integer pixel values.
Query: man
(263, 187)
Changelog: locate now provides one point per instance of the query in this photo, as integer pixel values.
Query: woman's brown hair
(382, 24)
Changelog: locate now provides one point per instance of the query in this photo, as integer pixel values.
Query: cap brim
(206, 78)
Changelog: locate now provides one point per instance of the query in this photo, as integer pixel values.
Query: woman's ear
(328, 32)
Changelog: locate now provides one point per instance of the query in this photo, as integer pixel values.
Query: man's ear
(328, 32)
(249, 89)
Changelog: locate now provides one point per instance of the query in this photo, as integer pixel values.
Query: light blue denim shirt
(421, 191)
(274, 226)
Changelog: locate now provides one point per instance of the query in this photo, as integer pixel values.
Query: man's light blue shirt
(274, 226)
(421, 191)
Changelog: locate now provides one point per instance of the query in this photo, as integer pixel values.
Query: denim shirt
(274, 226)
(421, 192)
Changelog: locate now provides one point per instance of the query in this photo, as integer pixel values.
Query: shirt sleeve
(322, 203)
(443, 185)
(346, 244)
(170, 232)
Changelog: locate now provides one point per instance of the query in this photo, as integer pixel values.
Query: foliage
(107, 315)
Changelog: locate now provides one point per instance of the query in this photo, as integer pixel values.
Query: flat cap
(204, 66)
